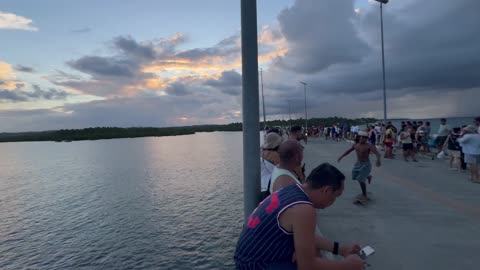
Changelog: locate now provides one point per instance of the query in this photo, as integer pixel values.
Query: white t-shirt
(266, 173)
(443, 130)
(407, 139)
(470, 144)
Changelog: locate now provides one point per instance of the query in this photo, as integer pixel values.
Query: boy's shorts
(361, 170)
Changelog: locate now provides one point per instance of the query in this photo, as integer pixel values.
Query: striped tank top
(263, 240)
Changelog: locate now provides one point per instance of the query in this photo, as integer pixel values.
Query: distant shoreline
(106, 133)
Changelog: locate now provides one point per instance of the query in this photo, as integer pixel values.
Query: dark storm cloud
(227, 79)
(431, 48)
(229, 83)
(20, 94)
(22, 68)
(178, 89)
(320, 34)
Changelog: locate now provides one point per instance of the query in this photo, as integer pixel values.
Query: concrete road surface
(422, 216)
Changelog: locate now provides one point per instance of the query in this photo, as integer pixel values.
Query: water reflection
(148, 203)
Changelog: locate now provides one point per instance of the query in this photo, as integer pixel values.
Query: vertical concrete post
(250, 107)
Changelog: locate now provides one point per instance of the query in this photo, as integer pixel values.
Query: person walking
(407, 143)
(362, 169)
(470, 142)
(454, 150)
(442, 135)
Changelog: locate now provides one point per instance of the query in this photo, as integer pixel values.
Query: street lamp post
(382, 2)
(290, 113)
(263, 100)
(305, 90)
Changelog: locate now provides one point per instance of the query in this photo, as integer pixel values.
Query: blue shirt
(263, 241)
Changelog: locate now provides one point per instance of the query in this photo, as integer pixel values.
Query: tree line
(101, 133)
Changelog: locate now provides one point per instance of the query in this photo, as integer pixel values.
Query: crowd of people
(280, 232)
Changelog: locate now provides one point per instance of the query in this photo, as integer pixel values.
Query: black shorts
(407, 146)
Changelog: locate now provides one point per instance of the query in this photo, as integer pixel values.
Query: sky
(77, 64)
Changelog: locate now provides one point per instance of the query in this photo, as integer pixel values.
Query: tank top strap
(277, 172)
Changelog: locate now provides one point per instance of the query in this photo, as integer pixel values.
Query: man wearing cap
(470, 142)
(362, 169)
(269, 160)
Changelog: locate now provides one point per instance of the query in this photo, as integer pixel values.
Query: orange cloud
(7, 76)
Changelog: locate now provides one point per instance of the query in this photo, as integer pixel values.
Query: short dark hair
(443, 120)
(456, 129)
(295, 129)
(477, 119)
(326, 174)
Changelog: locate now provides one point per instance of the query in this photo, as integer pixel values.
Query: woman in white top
(470, 142)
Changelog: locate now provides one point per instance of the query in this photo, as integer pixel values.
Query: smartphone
(366, 252)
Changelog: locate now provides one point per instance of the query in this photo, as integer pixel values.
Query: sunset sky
(76, 64)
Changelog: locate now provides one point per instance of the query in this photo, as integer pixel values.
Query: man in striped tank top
(280, 233)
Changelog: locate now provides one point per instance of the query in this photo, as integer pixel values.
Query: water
(145, 203)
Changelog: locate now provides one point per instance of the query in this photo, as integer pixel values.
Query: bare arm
(346, 153)
(303, 220)
(282, 181)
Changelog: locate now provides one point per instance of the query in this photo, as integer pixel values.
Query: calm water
(147, 203)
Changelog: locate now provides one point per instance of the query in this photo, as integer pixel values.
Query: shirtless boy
(362, 169)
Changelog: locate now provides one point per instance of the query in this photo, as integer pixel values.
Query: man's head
(291, 153)
(420, 123)
(324, 184)
(362, 137)
(443, 121)
(296, 133)
(427, 124)
(477, 121)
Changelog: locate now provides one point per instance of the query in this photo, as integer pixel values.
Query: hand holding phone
(366, 252)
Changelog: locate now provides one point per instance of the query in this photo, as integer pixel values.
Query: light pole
(263, 100)
(250, 106)
(305, 90)
(382, 2)
(290, 112)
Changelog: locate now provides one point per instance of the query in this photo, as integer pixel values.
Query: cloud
(19, 94)
(177, 89)
(133, 49)
(229, 83)
(81, 30)
(24, 69)
(7, 76)
(15, 22)
(157, 111)
(430, 48)
(320, 34)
